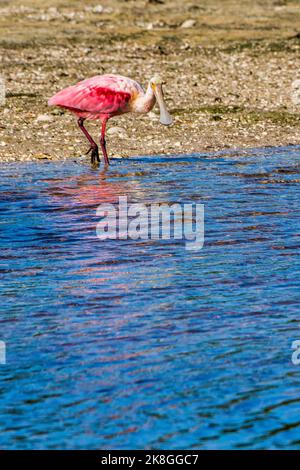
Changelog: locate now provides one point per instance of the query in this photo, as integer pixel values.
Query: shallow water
(142, 344)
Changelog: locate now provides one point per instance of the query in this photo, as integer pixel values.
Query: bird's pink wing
(97, 95)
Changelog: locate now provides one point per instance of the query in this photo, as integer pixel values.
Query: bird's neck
(144, 102)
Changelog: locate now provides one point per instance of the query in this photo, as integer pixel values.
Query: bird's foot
(94, 155)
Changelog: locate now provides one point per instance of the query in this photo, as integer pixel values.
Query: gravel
(232, 74)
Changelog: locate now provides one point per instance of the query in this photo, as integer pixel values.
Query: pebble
(188, 24)
(42, 156)
(152, 115)
(44, 118)
(116, 130)
(98, 9)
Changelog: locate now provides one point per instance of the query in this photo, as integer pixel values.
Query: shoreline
(226, 153)
(229, 71)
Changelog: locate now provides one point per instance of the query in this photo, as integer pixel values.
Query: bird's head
(156, 80)
(156, 84)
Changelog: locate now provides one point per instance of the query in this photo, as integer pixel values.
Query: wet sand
(229, 67)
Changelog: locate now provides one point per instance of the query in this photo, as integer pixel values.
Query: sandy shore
(229, 66)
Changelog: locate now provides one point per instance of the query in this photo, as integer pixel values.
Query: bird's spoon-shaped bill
(165, 117)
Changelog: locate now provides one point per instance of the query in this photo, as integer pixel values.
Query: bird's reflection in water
(88, 189)
(75, 199)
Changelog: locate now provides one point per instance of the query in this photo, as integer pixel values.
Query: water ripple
(142, 344)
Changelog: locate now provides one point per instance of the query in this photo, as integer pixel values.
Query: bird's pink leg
(103, 142)
(94, 146)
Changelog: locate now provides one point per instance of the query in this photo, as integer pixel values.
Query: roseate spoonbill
(104, 96)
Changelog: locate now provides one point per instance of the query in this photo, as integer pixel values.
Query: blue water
(142, 344)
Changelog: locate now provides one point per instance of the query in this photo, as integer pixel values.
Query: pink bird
(105, 96)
